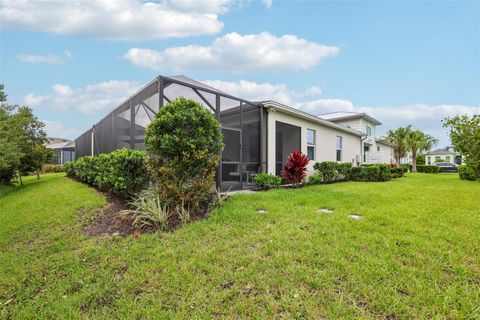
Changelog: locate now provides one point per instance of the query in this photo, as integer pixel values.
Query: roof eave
(305, 115)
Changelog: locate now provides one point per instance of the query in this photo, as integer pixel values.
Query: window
(378, 148)
(447, 158)
(339, 148)
(311, 144)
(429, 160)
(437, 158)
(369, 131)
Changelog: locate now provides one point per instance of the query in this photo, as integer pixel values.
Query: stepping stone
(325, 210)
(262, 211)
(355, 216)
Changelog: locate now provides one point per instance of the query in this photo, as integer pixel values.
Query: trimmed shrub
(370, 172)
(467, 173)
(184, 142)
(396, 172)
(383, 172)
(328, 170)
(428, 169)
(406, 167)
(47, 168)
(315, 178)
(343, 170)
(122, 172)
(267, 181)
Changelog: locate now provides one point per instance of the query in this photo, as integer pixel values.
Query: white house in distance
(63, 150)
(447, 154)
(374, 150)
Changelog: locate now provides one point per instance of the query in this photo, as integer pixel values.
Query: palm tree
(399, 138)
(418, 142)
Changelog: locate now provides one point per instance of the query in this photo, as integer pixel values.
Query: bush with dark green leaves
(428, 169)
(184, 142)
(406, 167)
(370, 172)
(397, 172)
(315, 178)
(328, 170)
(122, 172)
(343, 170)
(467, 173)
(267, 181)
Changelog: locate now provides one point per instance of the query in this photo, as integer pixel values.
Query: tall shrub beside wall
(184, 142)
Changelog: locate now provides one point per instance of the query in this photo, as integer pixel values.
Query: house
(258, 136)
(374, 150)
(447, 154)
(63, 150)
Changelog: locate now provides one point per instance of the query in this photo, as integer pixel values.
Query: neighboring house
(258, 136)
(373, 149)
(447, 154)
(63, 150)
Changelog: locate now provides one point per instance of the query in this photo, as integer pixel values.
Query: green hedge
(397, 172)
(122, 172)
(467, 173)
(428, 169)
(329, 171)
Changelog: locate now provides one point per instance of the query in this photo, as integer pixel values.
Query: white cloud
(92, 99)
(59, 129)
(119, 20)
(262, 91)
(237, 53)
(422, 116)
(50, 58)
(267, 3)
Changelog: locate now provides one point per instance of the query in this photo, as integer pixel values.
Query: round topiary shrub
(183, 142)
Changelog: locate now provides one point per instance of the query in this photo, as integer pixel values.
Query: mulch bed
(109, 222)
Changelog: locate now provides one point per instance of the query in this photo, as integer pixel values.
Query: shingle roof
(438, 152)
(343, 115)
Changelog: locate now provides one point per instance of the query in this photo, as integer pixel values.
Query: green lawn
(416, 254)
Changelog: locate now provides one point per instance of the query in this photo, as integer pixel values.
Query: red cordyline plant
(295, 169)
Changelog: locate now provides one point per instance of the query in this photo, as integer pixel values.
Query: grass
(415, 254)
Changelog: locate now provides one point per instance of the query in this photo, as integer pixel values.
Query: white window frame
(310, 144)
(338, 149)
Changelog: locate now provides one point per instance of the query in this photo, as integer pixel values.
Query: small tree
(416, 141)
(184, 142)
(465, 137)
(295, 168)
(21, 141)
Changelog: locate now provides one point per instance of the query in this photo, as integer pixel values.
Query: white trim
(273, 105)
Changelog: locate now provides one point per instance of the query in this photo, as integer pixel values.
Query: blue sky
(402, 62)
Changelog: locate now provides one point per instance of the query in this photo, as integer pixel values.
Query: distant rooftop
(442, 151)
(345, 115)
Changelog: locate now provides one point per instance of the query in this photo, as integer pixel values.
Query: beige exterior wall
(352, 123)
(325, 140)
(386, 153)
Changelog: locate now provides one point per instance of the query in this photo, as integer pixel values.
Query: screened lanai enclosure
(243, 125)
